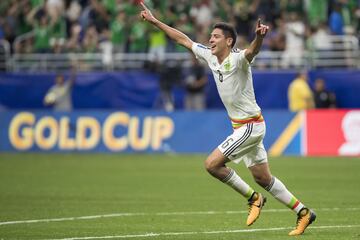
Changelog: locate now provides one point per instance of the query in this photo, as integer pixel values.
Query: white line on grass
(205, 232)
(159, 214)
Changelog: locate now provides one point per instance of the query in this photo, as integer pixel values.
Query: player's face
(59, 80)
(218, 42)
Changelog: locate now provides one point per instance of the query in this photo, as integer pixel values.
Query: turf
(166, 197)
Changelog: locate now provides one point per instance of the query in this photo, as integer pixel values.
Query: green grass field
(78, 196)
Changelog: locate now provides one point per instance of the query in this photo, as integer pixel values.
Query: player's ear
(229, 41)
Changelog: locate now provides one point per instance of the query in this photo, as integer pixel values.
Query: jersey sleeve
(67, 85)
(201, 51)
(241, 60)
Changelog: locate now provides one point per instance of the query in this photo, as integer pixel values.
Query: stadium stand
(106, 35)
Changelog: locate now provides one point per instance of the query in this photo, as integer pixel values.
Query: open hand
(261, 29)
(146, 14)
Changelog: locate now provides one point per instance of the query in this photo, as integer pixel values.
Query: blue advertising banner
(134, 90)
(133, 131)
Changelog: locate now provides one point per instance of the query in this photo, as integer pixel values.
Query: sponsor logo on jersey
(202, 46)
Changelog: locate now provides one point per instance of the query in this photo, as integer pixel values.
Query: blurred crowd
(44, 26)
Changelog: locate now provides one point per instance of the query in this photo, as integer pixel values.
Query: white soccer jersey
(233, 80)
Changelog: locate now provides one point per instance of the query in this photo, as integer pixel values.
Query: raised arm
(255, 45)
(173, 33)
(73, 73)
(30, 17)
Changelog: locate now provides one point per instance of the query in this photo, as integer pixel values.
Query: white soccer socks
(234, 181)
(281, 193)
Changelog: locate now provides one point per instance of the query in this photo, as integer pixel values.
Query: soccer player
(233, 77)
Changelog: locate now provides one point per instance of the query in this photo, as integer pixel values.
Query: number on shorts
(227, 143)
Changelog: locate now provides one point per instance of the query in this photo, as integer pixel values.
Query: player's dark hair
(228, 30)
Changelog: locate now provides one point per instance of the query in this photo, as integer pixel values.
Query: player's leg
(215, 165)
(274, 186)
(257, 156)
(234, 148)
(262, 175)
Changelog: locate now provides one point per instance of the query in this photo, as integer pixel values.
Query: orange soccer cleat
(305, 218)
(256, 203)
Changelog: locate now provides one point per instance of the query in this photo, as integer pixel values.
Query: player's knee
(262, 180)
(210, 165)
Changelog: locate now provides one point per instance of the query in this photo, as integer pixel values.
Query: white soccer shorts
(246, 143)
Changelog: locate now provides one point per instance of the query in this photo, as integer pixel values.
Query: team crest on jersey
(227, 66)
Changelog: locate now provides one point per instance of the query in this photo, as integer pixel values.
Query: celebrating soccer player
(232, 73)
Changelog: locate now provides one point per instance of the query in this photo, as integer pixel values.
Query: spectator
(58, 33)
(110, 6)
(336, 22)
(54, 8)
(118, 32)
(73, 11)
(323, 98)
(99, 16)
(2, 32)
(243, 15)
(348, 8)
(169, 76)
(11, 16)
(42, 30)
(37, 3)
(59, 95)
(294, 6)
(130, 7)
(74, 42)
(91, 40)
(202, 13)
(22, 25)
(184, 24)
(299, 94)
(106, 47)
(295, 35)
(195, 84)
(265, 9)
(157, 47)
(55, 32)
(319, 40)
(224, 10)
(138, 39)
(357, 20)
(276, 38)
(90, 46)
(176, 7)
(9, 23)
(316, 11)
